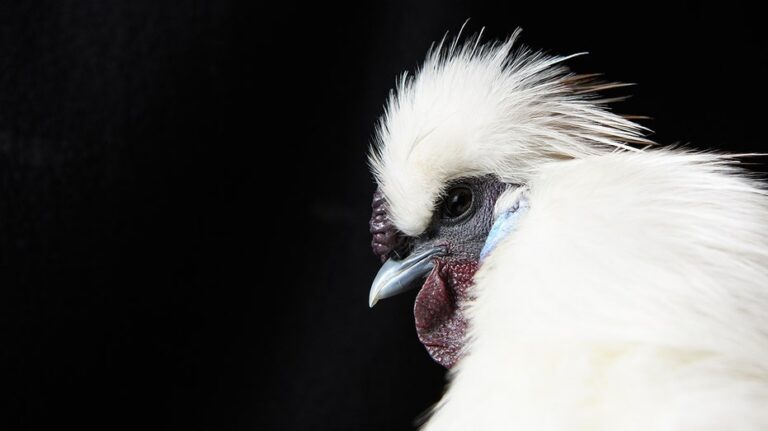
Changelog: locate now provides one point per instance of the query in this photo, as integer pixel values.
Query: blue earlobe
(505, 224)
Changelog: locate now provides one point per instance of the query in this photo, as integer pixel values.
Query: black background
(184, 195)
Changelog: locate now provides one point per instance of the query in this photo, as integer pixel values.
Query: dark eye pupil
(458, 202)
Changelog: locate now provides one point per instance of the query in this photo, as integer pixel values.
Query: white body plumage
(632, 295)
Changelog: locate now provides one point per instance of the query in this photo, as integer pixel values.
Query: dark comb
(386, 238)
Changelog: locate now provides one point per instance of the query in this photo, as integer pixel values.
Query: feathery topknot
(477, 109)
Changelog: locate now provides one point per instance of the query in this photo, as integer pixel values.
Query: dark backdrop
(184, 195)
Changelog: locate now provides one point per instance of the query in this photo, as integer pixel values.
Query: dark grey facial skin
(466, 236)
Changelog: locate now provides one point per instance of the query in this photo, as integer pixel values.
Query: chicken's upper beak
(398, 276)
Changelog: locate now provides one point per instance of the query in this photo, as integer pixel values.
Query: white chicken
(571, 276)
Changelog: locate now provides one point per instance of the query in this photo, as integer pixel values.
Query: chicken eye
(457, 202)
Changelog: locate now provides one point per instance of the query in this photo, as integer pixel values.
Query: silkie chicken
(572, 276)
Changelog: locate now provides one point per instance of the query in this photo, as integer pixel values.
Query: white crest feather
(483, 109)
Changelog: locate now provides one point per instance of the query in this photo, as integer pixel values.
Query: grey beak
(398, 276)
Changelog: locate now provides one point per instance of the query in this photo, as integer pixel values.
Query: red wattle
(440, 323)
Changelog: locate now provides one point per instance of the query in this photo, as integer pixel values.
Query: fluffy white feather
(479, 109)
(633, 294)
